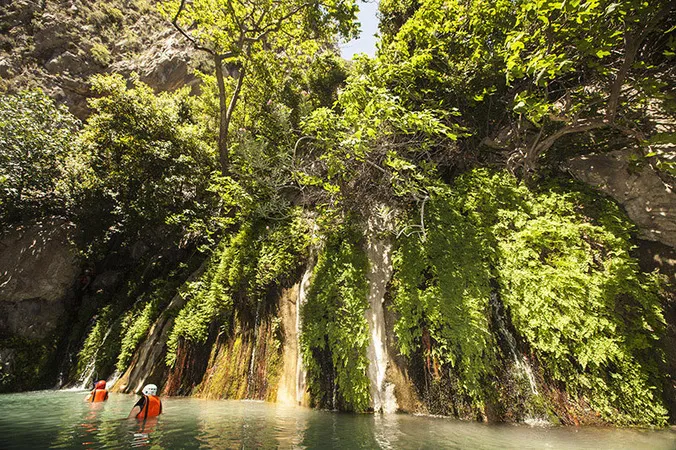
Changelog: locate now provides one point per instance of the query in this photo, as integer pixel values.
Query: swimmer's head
(101, 384)
(150, 389)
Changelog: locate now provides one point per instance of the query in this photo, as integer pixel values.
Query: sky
(369, 27)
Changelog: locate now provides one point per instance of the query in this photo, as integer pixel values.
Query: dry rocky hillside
(58, 45)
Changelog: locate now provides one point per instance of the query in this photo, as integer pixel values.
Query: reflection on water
(61, 419)
(144, 428)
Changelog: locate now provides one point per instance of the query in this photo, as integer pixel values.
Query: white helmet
(150, 389)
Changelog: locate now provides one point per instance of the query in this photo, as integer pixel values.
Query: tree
(526, 74)
(582, 66)
(37, 138)
(153, 167)
(232, 30)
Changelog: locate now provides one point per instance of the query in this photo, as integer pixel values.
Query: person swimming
(99, 393)
(149, 405)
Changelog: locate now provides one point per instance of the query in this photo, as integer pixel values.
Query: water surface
(61, 419)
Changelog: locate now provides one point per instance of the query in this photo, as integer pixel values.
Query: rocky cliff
(58, 45)
(39, 268)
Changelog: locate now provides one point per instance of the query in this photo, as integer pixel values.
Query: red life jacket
(151, 408)
(99, 395)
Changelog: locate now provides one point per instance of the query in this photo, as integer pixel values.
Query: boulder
(165, 65)
(647, 199)
(65, 62)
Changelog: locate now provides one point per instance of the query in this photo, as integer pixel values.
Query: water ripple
(61, 419)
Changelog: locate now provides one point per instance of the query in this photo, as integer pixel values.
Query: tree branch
(185, 34)
(276, 26)
(632, 45)
(224, 149)
(583, 125)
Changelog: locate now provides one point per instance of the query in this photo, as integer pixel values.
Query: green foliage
(38, 157)
(99, 346)
(445, 54)
(373, 147)
(152, 167)
(101, 54)
(125, 317)
(209, 297)
(334, 322)
(574, 293)
(528, 73)
(137, 321)
(27, 363)
(442, 287)
(238, 35)
(277, 93)
(237, 30)
(244, 266)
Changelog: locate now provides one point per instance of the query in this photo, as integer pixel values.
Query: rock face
(147, 365)
(59, 45)
(649, 202)
(38, 268)
(288, 304)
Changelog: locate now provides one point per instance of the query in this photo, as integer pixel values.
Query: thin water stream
(300, 367)
(61, 419)
(379, 274)
(88, 374)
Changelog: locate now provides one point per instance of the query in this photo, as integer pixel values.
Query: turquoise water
(61, 419)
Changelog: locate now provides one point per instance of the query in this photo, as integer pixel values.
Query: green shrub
(245, 265)
(153, 166)
(101, 54)
(333, 320)
(100, 346)
(39, 157)
(576, 297)
(135, 325)
(442, 286)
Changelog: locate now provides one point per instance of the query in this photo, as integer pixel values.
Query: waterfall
(110, 382)
(334, 397)
(520, 361)
(252, 363)
(64, 367)
(90, 370)
(521, 364)
(300, 367)
(380, 272)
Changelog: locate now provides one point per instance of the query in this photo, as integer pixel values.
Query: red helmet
(100, 384)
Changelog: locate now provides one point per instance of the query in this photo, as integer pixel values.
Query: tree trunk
(226, 113)
(223, 118)
(631, 48)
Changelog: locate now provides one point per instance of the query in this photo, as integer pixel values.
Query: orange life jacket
(99, 395)
(151, 408)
